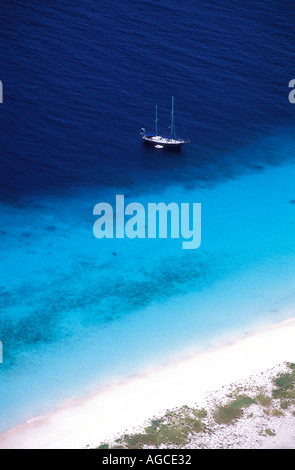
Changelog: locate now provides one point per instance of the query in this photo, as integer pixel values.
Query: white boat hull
(163, 141)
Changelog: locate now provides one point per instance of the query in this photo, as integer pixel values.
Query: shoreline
(126, 405)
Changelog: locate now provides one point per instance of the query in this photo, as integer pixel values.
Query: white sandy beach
(127, 405)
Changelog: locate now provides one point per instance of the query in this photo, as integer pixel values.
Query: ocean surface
(80, 80)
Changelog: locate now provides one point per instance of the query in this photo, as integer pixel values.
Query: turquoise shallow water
(78, 312)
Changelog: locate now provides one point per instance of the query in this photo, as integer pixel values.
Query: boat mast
(172, 118)
(156, 121)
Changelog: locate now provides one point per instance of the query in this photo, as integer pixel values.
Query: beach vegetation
(165, 434)
(200, 414)
(138, 440)
(227, 414)
(263, 400)
(176, 427)
(284, 381)
(285, 384)
(269, 432)
(277, 413)
(172, 429)
(242, 401)
(285, 404)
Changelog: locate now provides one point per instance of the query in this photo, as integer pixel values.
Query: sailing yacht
(160, 141)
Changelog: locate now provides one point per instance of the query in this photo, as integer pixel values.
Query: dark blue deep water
(80, 80)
